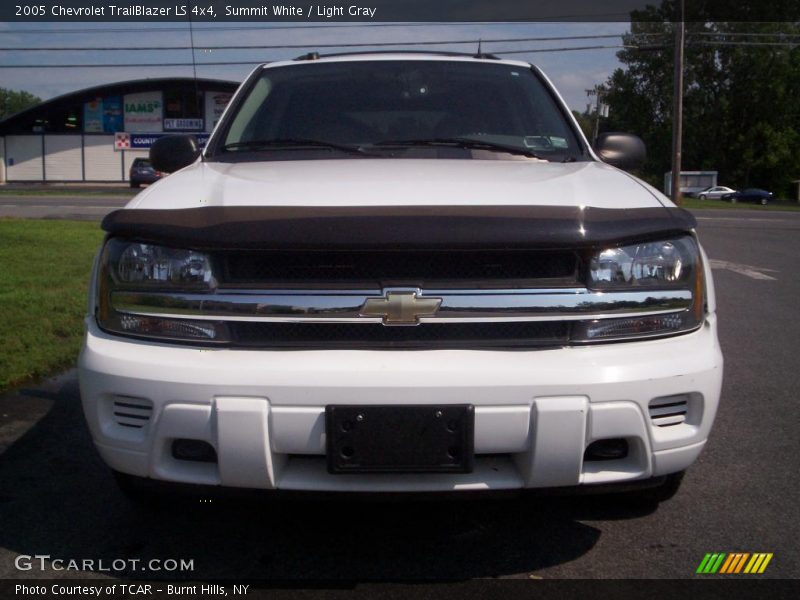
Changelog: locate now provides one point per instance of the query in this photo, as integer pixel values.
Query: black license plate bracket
(400, 438)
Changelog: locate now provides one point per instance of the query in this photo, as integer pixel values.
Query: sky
(572, 72)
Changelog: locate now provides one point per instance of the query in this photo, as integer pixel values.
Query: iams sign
(142, 107)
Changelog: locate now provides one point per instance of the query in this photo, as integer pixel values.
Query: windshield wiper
(293, 144)
(459, 142)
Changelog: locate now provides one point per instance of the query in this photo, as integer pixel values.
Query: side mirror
(622, 150)
(173, 152)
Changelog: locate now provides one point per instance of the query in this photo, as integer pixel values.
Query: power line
(257, 62)
(378, 44)
(277, 27)
(137, 65)
(268, 28)
(785, 42)
(535, 50)
(303, 46)
(235, 28)
(717, 34)
(792, 44)
(743, 34)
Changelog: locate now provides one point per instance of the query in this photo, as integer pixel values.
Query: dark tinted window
(376, 102)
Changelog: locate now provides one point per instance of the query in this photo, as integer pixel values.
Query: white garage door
(102, 163)
(63, 159)
(24, 157)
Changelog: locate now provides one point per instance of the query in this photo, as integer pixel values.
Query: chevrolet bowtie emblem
(400, 308)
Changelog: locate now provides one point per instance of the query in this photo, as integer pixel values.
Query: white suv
(400, 273)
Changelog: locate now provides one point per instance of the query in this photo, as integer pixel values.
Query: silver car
(715, 193)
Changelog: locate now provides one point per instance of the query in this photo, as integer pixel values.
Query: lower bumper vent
(132, 412)
(668, 410)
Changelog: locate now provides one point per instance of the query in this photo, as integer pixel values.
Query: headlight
(662, 265)
(665, 264)
(135, 266)
(149, 265)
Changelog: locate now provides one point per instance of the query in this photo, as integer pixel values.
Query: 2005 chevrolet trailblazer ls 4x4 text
(401, 273)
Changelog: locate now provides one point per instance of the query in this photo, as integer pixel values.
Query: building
(96, 133)
(691, 182)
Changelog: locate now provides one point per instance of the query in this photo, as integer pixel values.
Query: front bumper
(535, 411)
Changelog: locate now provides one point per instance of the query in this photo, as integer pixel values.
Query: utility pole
(677, 106)
(597, 91)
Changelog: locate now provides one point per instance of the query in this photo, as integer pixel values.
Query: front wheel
(763, 202)
(703, 197)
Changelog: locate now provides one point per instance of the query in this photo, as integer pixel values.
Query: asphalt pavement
(57, 498)
(71, 206)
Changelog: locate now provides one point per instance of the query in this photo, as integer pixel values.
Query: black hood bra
(397, 227)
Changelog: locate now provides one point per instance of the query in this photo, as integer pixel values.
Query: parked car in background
(715, 193)
(143, 172)
(750, 195)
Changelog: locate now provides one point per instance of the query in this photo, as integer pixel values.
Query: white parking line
(738, 219)
(60, 206)
(746, 270)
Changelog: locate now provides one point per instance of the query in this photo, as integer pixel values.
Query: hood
(399, 182)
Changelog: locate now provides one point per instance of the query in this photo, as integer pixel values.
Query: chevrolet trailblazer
(401, 272)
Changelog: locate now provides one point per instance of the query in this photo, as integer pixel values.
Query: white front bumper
(535, 411)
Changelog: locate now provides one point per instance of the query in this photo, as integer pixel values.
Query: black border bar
(388, 11)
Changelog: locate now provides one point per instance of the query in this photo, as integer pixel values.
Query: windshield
(406, 108)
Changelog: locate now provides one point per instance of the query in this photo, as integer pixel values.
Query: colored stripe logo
(734, 563)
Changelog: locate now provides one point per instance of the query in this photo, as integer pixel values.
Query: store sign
(183, 124)
(112, 114)
(103, 115)
(122, 141)
(93, 116)
(143, 112)
(215, 106)
(143, 141)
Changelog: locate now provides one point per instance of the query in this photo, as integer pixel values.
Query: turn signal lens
(166, 329)
(636, 326)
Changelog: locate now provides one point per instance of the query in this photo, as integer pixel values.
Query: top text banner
(395, 10)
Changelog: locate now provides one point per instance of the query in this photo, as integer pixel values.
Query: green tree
(13, 101)
(741, 115)
(586, 123)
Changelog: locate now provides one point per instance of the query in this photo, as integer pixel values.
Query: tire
(703, 197)
(135, 184)
(733, 200)
(763, 201)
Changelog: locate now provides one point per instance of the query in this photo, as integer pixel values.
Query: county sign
(143, 141)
